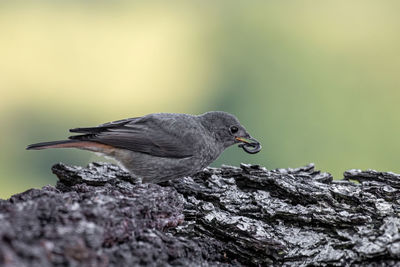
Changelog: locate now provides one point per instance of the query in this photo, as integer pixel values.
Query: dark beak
(250, 145)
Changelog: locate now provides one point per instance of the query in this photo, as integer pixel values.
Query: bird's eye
(234, 129)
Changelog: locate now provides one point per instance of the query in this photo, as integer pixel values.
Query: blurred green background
(314, 81)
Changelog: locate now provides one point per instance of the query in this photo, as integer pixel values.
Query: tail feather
(53, 144)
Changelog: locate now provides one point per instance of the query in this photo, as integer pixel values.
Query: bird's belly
(158, 169)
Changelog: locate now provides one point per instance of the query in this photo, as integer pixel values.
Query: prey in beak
(250, 145)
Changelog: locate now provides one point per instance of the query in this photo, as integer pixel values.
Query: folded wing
(159, 137)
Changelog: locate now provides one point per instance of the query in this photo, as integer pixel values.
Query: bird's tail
(55, 144)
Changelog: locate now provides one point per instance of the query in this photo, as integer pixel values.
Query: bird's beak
(250, 145)
(242, 139)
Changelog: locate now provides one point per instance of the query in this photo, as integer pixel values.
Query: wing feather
(150, 135)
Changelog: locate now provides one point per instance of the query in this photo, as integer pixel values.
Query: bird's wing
(105, 126)
(156, 136)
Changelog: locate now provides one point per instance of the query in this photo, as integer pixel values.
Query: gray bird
(162, 146)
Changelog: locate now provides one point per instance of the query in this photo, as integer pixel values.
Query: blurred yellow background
(314, 81)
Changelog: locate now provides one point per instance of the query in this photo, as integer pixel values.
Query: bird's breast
(209, 153)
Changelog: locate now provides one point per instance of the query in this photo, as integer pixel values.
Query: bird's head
(228, 131)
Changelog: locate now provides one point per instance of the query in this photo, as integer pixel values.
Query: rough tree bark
(99, 216)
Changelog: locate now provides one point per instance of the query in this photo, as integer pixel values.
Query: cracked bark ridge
(99, 216)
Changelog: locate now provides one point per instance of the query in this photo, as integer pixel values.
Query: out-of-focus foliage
(314, 81)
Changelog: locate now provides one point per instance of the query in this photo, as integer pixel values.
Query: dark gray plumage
(162, 146)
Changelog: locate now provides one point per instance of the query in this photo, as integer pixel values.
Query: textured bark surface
(99, 216)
